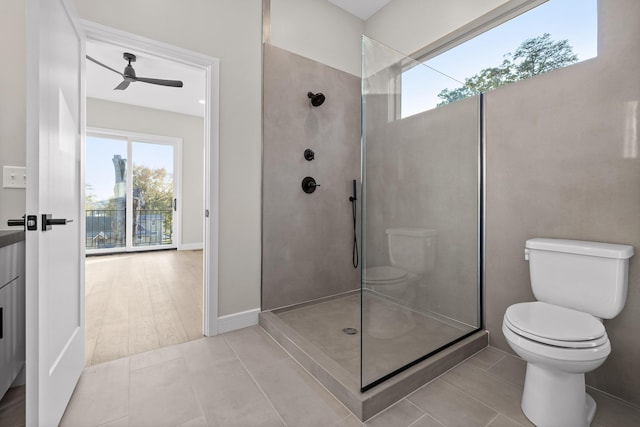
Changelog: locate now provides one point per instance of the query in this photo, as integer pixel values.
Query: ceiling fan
(129, 74)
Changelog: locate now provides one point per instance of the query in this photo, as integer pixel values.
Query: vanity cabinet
(12, 320)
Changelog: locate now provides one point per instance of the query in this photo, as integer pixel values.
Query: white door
(54, 272)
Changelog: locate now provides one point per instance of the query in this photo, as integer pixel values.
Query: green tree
(534, 56)
(153, 188)
(90, 199)
(153, 191)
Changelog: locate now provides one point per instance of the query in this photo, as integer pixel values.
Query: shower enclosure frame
(284, 301)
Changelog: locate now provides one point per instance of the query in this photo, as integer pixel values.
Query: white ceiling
(185, 100)
(363, 9)
(100, 81)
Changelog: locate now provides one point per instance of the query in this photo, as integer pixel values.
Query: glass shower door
(421, 175)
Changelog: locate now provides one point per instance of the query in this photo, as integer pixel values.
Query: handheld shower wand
(353, 199)
(355, 192)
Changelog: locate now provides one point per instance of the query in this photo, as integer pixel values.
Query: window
(131, 191)
(555, 34)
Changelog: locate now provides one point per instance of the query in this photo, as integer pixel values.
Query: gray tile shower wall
(307, 238)
(562, 161)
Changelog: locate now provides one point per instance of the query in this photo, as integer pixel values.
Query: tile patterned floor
(244, 378)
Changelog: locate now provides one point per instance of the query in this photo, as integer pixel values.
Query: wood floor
(138, 302)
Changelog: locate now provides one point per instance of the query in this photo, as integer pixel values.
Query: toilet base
(556, 399)
(591, 408)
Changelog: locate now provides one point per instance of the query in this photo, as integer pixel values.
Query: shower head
(316, 98)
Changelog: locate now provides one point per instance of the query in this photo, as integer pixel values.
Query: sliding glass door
(153, 197)
(131, 197)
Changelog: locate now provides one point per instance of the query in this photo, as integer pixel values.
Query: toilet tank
(587, 276)
(412, 249)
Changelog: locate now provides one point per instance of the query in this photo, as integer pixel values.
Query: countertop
(9, 237)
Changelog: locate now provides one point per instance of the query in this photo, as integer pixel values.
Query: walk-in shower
(412, 307)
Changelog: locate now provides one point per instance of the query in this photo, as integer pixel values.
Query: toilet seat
(555, 326)
(384, 275)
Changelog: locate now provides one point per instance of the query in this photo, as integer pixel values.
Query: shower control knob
(309, 185)
(309, 154)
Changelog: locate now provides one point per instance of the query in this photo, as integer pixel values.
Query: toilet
(561, 335)
(412, 253)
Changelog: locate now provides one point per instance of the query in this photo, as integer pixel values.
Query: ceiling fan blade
(170, 83)
(123, 85)
(105, 66)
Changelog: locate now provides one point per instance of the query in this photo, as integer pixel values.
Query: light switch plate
(14, 177)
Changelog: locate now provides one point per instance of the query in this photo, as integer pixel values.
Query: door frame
(211, 67)
(131, 137)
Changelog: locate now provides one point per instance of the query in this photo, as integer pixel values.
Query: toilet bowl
(411, 253)
(561, 336)
(387, 280)
(560, 345)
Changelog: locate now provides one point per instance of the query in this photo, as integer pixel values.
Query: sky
(100, 173)
(574, 20)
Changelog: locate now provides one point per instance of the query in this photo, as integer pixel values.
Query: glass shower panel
(421, 175)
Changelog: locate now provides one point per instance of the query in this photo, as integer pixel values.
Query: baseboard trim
(243, 319)
(190, 247)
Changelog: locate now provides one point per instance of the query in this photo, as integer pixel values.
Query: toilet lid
(555, 325)
(383, 274)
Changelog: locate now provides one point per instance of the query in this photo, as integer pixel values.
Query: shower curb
(346, 388)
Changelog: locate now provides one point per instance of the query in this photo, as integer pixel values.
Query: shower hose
(354, 206)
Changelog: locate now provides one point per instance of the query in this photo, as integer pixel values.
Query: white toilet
(561, 336)
(412, 252)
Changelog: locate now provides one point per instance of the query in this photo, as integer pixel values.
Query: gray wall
(113, 115)
(562, 161)
(13, 104)
(306, 238)
(410, 25)
(291, 26)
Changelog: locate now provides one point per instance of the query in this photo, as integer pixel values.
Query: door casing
(211, 68)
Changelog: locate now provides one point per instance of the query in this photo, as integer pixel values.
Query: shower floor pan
(314, 334)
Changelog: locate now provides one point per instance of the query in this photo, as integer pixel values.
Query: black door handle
(16, 222)
(31, 222)
(47, 221)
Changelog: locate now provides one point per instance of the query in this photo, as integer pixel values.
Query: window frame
(498, 16)
(131, 137)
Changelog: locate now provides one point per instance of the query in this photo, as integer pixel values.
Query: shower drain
(350, 331)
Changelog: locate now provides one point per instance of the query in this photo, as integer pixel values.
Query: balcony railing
(106, 228)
